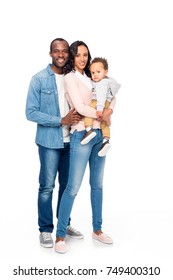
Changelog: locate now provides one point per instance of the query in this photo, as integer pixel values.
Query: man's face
(59, 54)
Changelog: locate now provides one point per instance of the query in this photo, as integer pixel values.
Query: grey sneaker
(46, 240)
(74, 233)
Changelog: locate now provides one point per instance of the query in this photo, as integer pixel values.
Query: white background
(136, 38)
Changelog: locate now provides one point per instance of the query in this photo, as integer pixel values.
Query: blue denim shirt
(42, 107)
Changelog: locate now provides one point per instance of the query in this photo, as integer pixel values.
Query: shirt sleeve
(33, 111)
(114, 86)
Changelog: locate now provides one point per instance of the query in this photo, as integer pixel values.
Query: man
(46, 105)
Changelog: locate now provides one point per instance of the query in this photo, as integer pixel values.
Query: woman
(78, 92)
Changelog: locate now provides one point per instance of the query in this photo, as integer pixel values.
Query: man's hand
(72, 117)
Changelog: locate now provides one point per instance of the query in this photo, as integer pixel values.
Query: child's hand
(99, 113)
(108, 122)
(106, 114)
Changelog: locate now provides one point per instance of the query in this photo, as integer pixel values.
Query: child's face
(97, 71)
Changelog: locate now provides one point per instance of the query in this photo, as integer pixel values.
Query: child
(104, 89)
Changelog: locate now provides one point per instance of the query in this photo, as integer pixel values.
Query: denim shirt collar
(49, 69)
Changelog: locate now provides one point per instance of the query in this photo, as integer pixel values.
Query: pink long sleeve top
(79, 96)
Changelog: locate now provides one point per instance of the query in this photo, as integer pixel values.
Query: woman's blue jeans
(52, 161)
(80, 155)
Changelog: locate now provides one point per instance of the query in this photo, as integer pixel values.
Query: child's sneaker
(104, 149)
(88, 136)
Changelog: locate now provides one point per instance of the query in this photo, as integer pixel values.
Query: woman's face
(81, 59)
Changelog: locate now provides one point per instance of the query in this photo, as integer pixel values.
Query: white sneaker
(88, 136)
(60, 247)
(102, 237)
(104, 149)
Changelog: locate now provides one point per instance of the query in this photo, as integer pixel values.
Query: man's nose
(60, 53)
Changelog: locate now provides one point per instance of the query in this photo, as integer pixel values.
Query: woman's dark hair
(72, 53)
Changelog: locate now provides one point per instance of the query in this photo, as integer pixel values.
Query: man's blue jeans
(52, 161)
(80, 155)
